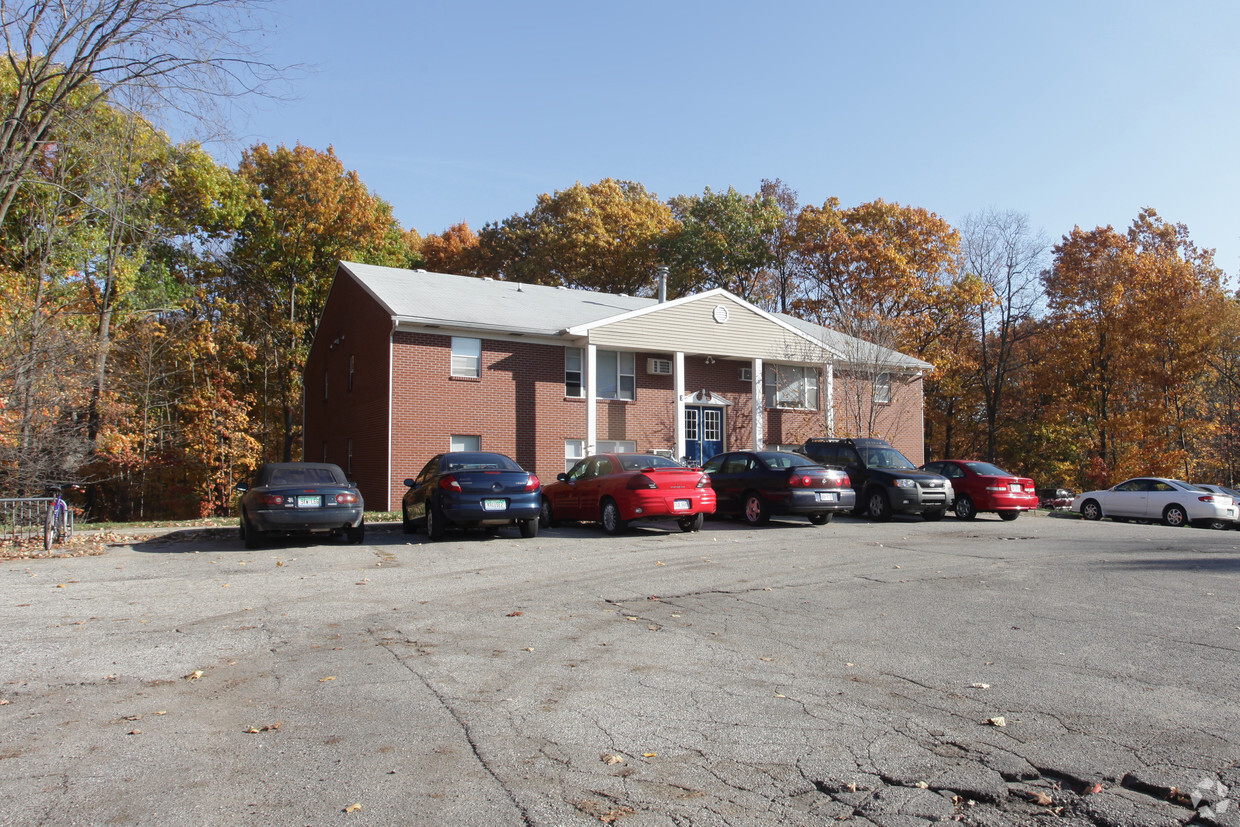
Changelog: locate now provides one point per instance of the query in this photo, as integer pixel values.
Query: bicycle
(58, 524)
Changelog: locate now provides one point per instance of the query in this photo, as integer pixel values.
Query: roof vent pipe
(661, 277)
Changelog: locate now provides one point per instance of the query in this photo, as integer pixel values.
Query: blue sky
(1075, 113)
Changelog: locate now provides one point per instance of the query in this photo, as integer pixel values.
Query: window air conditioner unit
(659, 367)
(745, 374)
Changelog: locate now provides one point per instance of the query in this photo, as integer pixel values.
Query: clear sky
(1075, 113)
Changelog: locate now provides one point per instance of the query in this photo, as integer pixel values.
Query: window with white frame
(466, 356)
(464, 442)
(617, 377)
(791, 386)
(574, 372)
(574, 450)
(882, 389)
(617, 446)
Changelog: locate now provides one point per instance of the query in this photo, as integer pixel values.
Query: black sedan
(469, 489)
(300, 498)
(759, 484)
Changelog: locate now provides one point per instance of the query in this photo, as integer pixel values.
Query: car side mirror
(562, 477)
(409, 482)
(243, 487)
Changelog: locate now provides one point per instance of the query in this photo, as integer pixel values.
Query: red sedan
(981, 486)
(617, 489)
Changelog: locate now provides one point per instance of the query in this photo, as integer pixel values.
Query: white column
(591, 400)
(759, 405)
(828, 373)
(678, 388)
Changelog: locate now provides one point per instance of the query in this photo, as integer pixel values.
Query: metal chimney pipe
(661, 276)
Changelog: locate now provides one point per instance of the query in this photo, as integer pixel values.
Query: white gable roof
(418, 297)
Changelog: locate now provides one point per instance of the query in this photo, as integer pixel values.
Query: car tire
(756, 510)
(965, 510)
(820, 519)
(693, 523)
(1090, 510)
(407, 525)
(933, 515)
(1008, 515)
(1219, 525)
(434, 522)
(545, 520)
(1175, 516)
(878, 507)
(609, 516)
(529, 528)
(249, 534)
(356, 536)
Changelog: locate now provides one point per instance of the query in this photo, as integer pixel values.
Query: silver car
(1174, 502)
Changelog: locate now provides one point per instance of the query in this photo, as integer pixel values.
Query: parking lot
(889, 673)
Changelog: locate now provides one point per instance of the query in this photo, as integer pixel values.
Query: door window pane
(712, 424)
(691, 424)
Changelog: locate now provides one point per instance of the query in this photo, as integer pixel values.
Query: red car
(617, 489)
(980, 486)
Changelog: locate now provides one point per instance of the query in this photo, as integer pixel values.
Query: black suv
(885, 481)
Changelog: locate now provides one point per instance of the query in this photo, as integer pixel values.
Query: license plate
(494, 505)
(826, 496)
(680, 505)
(304, 501)
(1015, 488)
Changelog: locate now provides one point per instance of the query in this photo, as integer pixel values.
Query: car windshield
(475, 461)
(639, 462)
(883, 457)
(987, 470)
(780, 459)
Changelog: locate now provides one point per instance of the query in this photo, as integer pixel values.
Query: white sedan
(1175, 502)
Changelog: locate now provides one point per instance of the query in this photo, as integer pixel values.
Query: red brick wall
(354, 325)
(898, 421)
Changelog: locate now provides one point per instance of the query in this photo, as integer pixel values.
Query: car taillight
(638, 481)
(703, 481)
(1211, 499)
(271, 499)
(796, 480)
(532, 483)
(346, 499)
(449, 483)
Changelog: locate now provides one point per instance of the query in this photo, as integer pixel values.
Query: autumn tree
(455, 250)
(66, 58)
(602, 236)
(1131, 318)
(309, 213)
(724, 240)
(781, 241)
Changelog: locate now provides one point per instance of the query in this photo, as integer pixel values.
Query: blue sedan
(468, 489)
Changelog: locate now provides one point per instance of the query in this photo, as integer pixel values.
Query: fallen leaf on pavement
(1091, 789)
(1038, 797)
(515, 614)
(353, 808)
(195, 675)
(265, 728)
(998, 720)
(328, 678)
(979, 686)
(608, 758)
(649, 754)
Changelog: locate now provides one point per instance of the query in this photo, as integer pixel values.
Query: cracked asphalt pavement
(1041, 671)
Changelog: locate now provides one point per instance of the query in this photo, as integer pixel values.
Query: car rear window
(636, 462)
(303, 476)
(988, 470)
(780, 459)
(478, 462)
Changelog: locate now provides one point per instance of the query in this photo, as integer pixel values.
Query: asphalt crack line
(466, 731)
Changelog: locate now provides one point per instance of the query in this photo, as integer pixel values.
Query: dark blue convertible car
(299, 498)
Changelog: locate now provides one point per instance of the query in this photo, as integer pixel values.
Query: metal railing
(22, 520)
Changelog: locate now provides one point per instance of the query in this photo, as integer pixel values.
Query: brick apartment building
(406, 364)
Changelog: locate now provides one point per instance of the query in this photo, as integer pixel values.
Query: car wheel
(356, 536)
(933, 515)
(1009, 515)
(545, 520)
(756, 510)
(965, 510)
(434, 522)
(407, 525)
(1219, 525)
(878, 506)
(1090, 510)
(820, 519)
(693, 523)
(1175, 516)
(610, 517)
(249, 534)
(529, 528)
